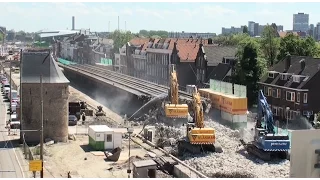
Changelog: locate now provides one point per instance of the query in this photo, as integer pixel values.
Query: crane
(267, 144)
(173, 109)
(198, 138)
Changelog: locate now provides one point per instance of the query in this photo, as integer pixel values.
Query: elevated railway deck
(142, 88)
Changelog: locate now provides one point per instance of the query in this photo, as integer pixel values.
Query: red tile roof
(139, 41)
(188, 48)
(282, 34)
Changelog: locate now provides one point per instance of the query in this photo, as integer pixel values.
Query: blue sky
(189, 17)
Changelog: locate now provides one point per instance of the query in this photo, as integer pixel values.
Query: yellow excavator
(174, 109)
(198, 138)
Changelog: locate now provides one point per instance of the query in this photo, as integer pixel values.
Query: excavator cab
(174, 109)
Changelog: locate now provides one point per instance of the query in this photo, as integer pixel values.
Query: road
(10, 166)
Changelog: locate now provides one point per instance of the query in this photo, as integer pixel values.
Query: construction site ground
(80, 160)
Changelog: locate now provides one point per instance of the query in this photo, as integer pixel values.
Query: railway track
(146, 88)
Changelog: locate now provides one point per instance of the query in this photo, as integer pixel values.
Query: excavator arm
(174, 109)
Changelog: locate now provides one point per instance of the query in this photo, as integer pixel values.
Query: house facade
(214, 62)
(150, 59)
(292, 87)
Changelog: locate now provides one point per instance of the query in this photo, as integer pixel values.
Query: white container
(97, 132)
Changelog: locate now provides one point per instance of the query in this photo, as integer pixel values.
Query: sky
(188, 17)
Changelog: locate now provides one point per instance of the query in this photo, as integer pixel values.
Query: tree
(245, 30)
(119, 39)
(249, 68)
(295, 45)
(144, 32)
(270, 44)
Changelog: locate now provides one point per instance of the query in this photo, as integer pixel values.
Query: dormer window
(271, 75)
(296, 79)
(284, 77)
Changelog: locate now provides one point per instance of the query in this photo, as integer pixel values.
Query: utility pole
(20, 93)
(10, 90)
(41, 137)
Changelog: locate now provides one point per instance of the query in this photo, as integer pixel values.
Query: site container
(97, 136)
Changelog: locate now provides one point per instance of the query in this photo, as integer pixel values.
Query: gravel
(234, 161)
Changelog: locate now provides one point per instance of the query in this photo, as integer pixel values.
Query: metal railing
(28, 155)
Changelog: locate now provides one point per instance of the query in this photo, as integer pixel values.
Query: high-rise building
(256, 29)
(300, 22)
(317, 31)
(311, 31)
(251, 28)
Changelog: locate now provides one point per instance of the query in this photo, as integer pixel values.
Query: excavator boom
(174, 109)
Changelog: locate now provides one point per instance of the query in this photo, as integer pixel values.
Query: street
(10, 167)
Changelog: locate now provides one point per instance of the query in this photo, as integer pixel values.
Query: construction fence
(28, 154)
(226, 88)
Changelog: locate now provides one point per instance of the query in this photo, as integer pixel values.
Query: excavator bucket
(202, 136)
(176, 110)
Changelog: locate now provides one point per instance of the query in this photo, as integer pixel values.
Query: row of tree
(256, 55)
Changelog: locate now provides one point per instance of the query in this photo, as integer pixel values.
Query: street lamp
(130, 131)
(287, 108)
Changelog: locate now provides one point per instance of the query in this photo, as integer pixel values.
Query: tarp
(65, 62)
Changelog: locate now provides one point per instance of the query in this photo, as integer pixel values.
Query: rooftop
(144, 163)
(40, 62)
(215, 54)
(305, 72)
(100, 128)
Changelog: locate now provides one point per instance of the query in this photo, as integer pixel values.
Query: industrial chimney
(73, 22)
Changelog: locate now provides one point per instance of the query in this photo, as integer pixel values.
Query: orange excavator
(173, 109)
(198, 138)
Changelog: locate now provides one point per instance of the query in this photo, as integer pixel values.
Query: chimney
(287, 62)
(210, 41)
(73, 21)
(302, 64)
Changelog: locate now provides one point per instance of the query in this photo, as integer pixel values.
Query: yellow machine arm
(174, 109)
(198, 109)
(174, 90)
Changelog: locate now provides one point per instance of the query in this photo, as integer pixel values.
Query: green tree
(270, 44)
(245, 30)
(1, 37)
(249, 68)
(144, 33)
(295, 45)
(120, 38)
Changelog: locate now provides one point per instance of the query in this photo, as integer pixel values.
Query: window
(296, 79)
(289, 114)
(271, 75)
(305, 98)
(275, 111)
(307, 113)
(269, 91)
(276, 93)
(298, 97)
(265, 90)
(283, 77)
(109, 137)
(290, 96)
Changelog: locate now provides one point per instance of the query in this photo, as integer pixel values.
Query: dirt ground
(75, 156)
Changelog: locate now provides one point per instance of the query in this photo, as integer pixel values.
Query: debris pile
(234, 161)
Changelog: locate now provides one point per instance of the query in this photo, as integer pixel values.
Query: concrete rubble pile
(234, 161)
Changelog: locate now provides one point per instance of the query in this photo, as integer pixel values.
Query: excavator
(267, 144)
(198, 138)
(173, 109)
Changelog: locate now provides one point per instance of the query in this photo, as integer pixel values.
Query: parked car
(6, 89)
(73, 120)
(15, 123)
